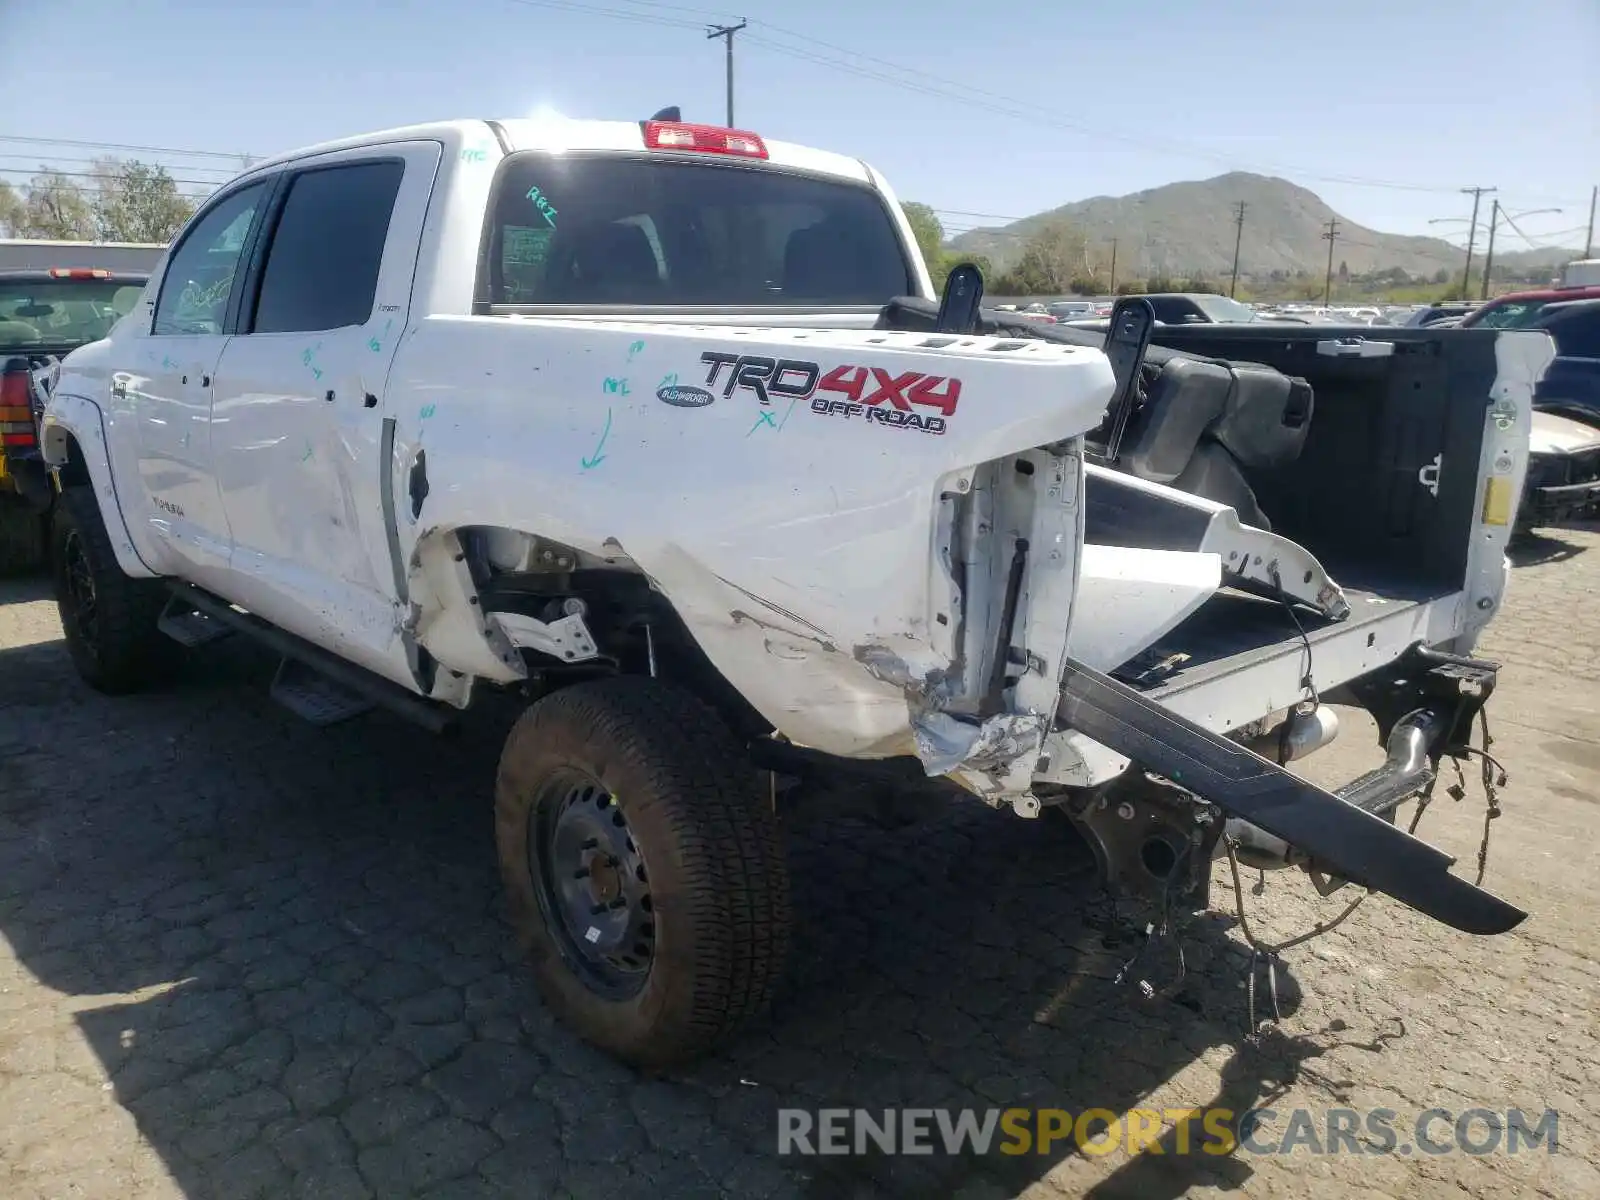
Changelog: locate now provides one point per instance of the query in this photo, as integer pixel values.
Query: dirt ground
(246, 957)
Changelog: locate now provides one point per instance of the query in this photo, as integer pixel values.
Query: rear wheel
(108, 618)
(644, 870)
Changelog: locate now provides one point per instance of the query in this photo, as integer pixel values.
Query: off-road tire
(711, 846)
(120, 650)
(22, 538)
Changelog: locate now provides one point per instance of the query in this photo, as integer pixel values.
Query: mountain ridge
(1186, 229)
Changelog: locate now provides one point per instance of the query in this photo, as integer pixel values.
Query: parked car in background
(1563, 480)
(1067, 310)
(1445, 310)
(1572, 384)
(44, 314)
(1564, 454)
(1520, 310)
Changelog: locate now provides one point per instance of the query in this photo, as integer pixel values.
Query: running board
(180, 622)
(314, 697)
(346, 685)
(1340, 837)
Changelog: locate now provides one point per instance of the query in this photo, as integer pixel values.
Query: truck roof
(554, 132)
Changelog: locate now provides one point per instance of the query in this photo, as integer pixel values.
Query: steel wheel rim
(81, 596)
(592, 884)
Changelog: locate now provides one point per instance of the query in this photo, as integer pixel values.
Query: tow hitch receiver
(1339, 833)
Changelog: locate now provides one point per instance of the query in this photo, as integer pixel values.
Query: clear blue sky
(1035, 104)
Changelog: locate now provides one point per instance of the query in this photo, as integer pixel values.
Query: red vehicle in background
(1521, 310)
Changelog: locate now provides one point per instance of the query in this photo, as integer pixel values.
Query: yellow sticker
(1498, 501)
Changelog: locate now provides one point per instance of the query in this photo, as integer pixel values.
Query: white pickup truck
(661, 426)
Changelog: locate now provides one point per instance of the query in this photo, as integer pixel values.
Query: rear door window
(612, 230)
(322, 268)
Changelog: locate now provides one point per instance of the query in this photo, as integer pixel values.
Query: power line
(209, 185)
(914, 79)
(589, 10)
(39, 141)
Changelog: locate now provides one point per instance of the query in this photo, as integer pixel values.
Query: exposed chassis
(1424, 705)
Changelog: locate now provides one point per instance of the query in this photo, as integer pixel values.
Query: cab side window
(322, 268)
(199, 278)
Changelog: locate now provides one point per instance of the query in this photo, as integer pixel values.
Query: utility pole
(1113, 266)
(1588, 238)
(1330, 237)
(1238, 236)
(726, 32)
(1488, 255)
(1477, 194)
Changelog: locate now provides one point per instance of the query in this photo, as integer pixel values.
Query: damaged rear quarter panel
(795, 542)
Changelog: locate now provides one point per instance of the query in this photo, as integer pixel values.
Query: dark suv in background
(1564, 457)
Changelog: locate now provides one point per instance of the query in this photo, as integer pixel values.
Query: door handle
(329, 396)
(119, 389)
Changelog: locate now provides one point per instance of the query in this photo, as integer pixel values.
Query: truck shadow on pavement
(283, 947)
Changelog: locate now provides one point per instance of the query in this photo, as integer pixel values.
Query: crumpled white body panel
(797, 539)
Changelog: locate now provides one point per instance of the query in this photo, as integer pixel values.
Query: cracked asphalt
(245, 957)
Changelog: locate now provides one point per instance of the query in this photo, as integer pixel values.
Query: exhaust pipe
(1298, 735)
(1406, 769)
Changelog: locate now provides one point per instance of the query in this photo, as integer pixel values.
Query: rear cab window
(609, 229)
(61, 314)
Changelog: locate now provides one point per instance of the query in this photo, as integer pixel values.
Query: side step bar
(370, 688)
(1345, 839)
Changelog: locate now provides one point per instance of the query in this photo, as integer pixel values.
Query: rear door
(297, 398)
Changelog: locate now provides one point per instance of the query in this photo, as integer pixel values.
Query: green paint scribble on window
(522, 254)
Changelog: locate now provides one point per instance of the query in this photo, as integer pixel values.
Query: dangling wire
(1271, 954)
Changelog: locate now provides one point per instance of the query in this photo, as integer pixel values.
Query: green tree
(11, 207)
(1051, 257)
(138, 202)
(929, 233)
(56, 208)
(928, 230)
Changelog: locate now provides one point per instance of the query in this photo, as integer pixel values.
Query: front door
(297, 400)
(166, 391)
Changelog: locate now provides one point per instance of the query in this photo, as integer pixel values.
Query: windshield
(1223, 310)
(1516, 315)
(613, 230)
(62, 313)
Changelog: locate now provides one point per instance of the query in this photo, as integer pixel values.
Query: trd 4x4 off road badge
(878, 396)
